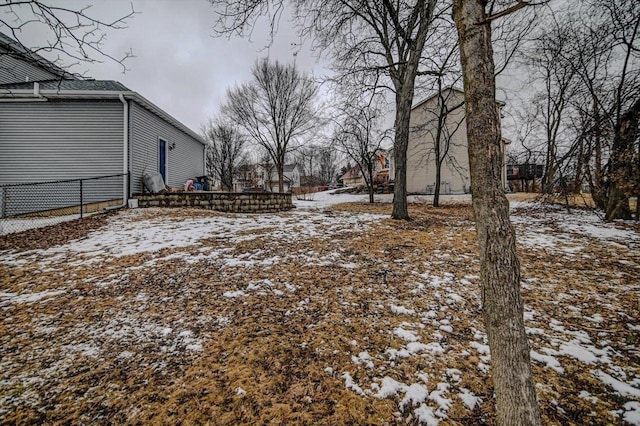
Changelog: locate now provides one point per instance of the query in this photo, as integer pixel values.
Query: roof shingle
(101, 85)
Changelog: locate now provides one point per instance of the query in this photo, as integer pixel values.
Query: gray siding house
(55, 126)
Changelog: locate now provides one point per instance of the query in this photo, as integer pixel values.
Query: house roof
(58, 84)
(86, 89)
(451, 88)
(287, 168)
(352, 173)
(424, 101)
(69, 86)
(14, 48)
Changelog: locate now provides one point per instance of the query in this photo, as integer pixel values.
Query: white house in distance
(421, 153)
(265, 177)
(291, 178)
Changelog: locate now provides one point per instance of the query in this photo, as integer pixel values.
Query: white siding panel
(421, 158)
(185, 161)
(42, 141)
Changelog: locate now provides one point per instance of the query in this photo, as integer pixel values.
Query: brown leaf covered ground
(321, 316)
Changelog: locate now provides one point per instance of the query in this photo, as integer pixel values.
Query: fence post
(81, 199)
(4, 201)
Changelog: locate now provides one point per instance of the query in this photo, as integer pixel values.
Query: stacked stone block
(262, 202)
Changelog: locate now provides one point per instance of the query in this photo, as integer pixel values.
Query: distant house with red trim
(354, 177)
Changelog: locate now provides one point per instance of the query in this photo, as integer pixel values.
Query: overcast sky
(179, 65)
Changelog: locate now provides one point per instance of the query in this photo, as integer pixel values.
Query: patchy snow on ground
(317, 310)
(8, 226)
(133, 235)
(325, 199)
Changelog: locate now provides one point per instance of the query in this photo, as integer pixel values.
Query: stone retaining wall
(232, 202)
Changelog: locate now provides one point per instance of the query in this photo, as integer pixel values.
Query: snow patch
(415, 394)
(351, 384)
(548, 360)
(469, 399)
(632, 413)
(401, 310)
(389, 387)
(405, 334)
(621, 387)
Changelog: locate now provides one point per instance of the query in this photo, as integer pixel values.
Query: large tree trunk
(516, 402)
(621, 178)
(598, 190)
(403, 116)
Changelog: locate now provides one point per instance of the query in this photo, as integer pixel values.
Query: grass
(147, 338)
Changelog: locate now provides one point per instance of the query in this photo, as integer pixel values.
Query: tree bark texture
(403, 78)
(516, 402)
(621, 180)
(370, 188)
(598, 191)
(403, 115)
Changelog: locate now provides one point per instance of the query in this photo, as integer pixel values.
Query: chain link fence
(25, 206)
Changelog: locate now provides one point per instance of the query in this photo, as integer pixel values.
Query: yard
(330, 314)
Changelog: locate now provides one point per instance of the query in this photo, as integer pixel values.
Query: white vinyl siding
(43, 141)
(421, 160)
(52, 141)
(184, 161)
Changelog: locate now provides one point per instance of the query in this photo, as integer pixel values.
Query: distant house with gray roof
(290, 177)
(57, 126)
(264, 177)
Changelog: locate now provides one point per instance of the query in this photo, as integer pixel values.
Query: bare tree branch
(76, 35)
(275, 109)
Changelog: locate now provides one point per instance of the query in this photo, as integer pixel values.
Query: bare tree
(265, 170)
(358, 135)
(75, 35)
(318, 163)
(275, 110)
(382, 42)
(442, 118)
(439, 121)
(624, 165)
(624, 16)
(550, 60)
(327, 164)
(225, 151)
(526, 152)
(444, 132)
(500, 269)
(595, 66)
(307, 159)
